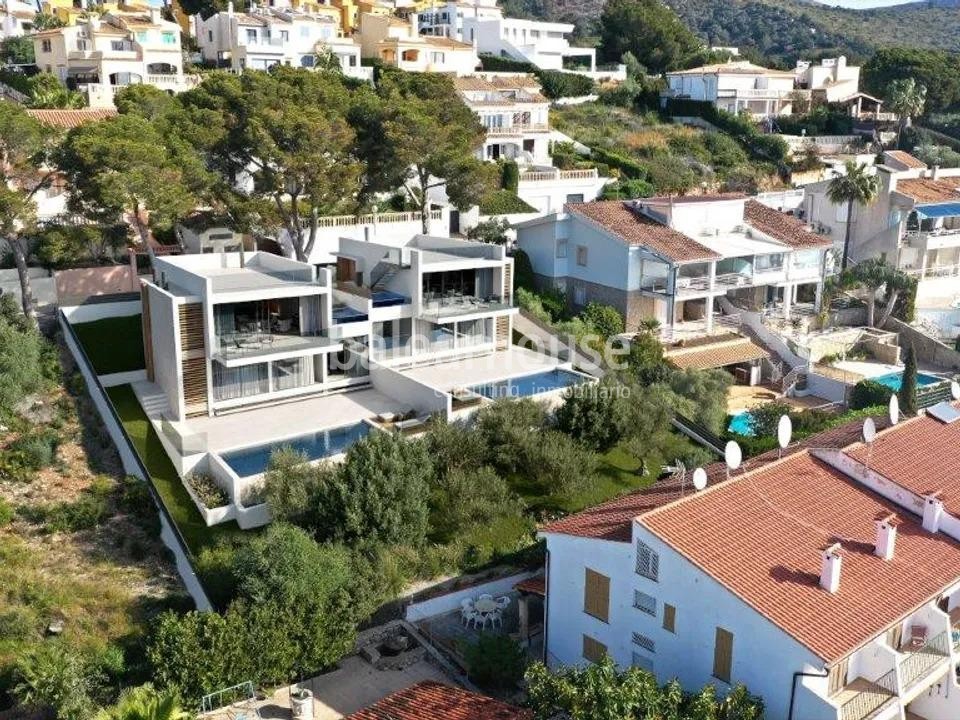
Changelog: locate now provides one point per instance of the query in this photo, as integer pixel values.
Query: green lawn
(113, 344)
(165, 479)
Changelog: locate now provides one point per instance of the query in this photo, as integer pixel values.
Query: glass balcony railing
(233, 346)
(449, 306)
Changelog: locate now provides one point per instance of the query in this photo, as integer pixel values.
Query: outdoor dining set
(485, 609)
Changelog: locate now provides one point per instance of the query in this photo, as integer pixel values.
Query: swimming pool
(895, 379)
(741, 423)
(324, 443)
(527, 385)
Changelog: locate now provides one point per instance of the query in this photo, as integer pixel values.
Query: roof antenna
(699, 479)
(869, 435)
(733, 456)
(784, 434)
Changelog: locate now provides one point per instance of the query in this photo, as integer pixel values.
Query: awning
(716, 355)
(940, 210)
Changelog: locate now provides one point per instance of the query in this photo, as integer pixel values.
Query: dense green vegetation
(113, 344)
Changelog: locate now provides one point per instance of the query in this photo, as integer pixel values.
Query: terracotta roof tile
(761, 535)
(71, 118)
(922, 455)
(739, 67)
(612, 520)
(685, 199)
(927, 190)
(536, 585)
(782, 227)
(430, 700)
(633, 228)
(473, 83)
(717, 355)
(905, 159)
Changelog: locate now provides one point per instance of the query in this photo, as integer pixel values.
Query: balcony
(754, 93)
(924, 662)
(540, 176)
(862, 698)
(455, 305)
(934, 271)
(240, 347)
(517, 129)
(932, 239)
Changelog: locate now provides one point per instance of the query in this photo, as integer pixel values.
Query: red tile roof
(922, 455)
(71, 118)
(435, 701)
(928, 190)
(905, 159)
(612, 520)
(761, 536)
(618, 218)
(717, 355)
(536, 585)
(782, 227)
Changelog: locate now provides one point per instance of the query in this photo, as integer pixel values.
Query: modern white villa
(914, 223)
(673, 259)
(271, 36)
(516, 116)
(828, 581)
(483, 25)
(735, 86)
(248, 352)
(105, 53)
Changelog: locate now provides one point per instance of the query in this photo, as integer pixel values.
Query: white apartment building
(914, 223)
(736, 86)
(276, 36)
(828, 581)
(517, 119)
(117, 49)
(398, 43)
(675, 259)
(16, 18)
(543, 44)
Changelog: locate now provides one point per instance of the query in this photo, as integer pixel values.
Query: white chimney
(830, 568)
(932, 512)
(155, 15)
(934, 171)
(230, 9)
(886, 537)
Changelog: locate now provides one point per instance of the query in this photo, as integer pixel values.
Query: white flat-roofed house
(277, 36)
(544, 44)
(914, 222)
(112, 51)
(398, 43)
(671, 259)
(828, 585)
(16, 18)
(516, 116)
(832, 80)
(736, 86)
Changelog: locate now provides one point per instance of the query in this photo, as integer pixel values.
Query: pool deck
(745, 397)
(483, 369)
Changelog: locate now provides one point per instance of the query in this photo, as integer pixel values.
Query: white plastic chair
(496, 618)
(466, 606)
(503, 603)
(486, 596)
(471, 616)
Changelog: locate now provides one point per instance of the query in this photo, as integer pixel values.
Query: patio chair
(496, 619)
(503, 602)
(918, 638)
(486, 596)
(472, 617)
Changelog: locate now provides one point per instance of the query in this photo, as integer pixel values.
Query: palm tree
(906, 98)
(146, 703)
(858, 186)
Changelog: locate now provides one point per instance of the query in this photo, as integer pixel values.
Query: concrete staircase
(384, 272)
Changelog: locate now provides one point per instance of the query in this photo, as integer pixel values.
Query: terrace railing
(334, 221)
(873, 697)
(919, 664)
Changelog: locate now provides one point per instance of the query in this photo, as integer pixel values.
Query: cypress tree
(908, 385)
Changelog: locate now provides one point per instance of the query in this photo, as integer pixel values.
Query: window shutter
(838, 676)
(593, 650)
(669, 618)
(596, 595)
(723, 654)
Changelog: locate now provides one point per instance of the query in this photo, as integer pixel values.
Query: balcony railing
(334, 221)
(548, 176)
(866, 697)
(919, 664)
(923, 236)
(517, 129)
(453, 306)
(934, 271)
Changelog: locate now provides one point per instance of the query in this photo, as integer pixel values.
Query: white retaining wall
(78, 314)
(451, 601)
(123, 378)
(424, 399)
(131, 465)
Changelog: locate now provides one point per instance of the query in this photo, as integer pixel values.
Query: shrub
(868, 393)
(36, 451)
(605, 319)
(56, 676)
(85, 513)
(495, 662)
(18, 624)
(510, 176)
(454, 446)
(493, 231)
(503, 202)
(558, 464)
(557, 84)
(593, 416)
(470, 496)
(208, 492)
(6, 516)
(507, 427)
(523, 272)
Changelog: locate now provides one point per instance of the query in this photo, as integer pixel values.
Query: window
(168, 38)
(648, 562)
(210, 35)
(669, 618)
(284, 36)
(307, 61)
(561, 248)
(579, 294)
(596, 595)
(304, 31)
(582, 255)
(644, 663)
(46, 46)
(647, 603)
(723, 654)
(577, 198)
(437, 57)
(643, 641)
(251, 35)
(142, 36)
(593, 650)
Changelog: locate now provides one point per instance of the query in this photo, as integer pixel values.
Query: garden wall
(929, 350)
(132, 464)
(77, 285)
(76, 314)
(424, 399)
(449, 602)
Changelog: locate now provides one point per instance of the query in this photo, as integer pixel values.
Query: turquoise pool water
(254, 460)
(741, 423)
(895, 379)
(527, 385)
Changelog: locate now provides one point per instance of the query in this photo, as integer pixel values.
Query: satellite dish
(733, 455)
(699, 478)
(784, 431)
(894, 410)
(955, 390)
(869, 431)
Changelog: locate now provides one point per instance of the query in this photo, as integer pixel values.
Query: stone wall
(930, 351)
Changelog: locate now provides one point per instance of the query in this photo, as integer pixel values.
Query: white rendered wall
(165, 328)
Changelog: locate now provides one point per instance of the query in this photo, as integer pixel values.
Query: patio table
(485, 606)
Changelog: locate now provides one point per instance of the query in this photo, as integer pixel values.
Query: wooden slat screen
(508, 281)
(195, 385)
(593, 650)
(596, 595)
(895, 636)
(723, 654)
(669, 618)
(503, 332)
(191, 327)
(838, 676)
(147, 332)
